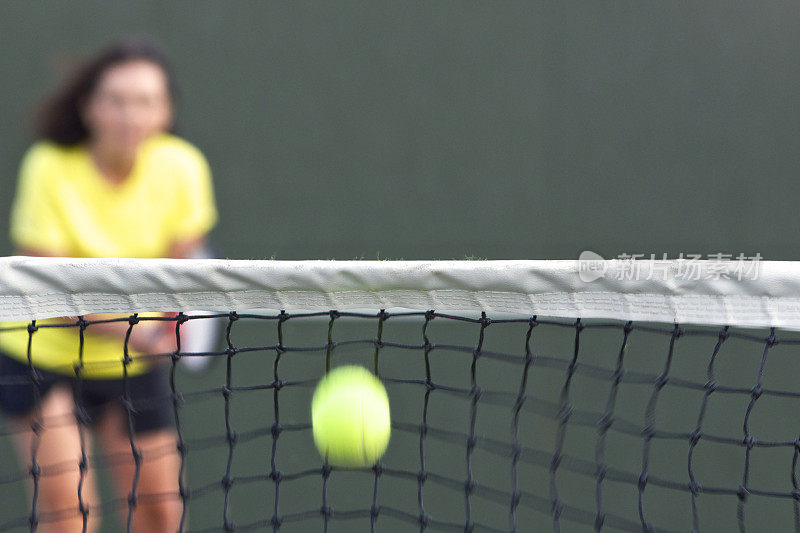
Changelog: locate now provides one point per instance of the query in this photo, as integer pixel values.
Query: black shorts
(150, 394)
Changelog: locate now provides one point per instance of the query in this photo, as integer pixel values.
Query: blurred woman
(106, 178)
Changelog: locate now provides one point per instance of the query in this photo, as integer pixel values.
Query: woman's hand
(147, 337)
(153, 337)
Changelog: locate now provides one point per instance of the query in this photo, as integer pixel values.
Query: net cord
(669, 291)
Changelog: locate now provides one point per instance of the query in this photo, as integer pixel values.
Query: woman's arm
(147, 336)
(185, 248)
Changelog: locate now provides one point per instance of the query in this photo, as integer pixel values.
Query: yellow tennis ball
(350, 417)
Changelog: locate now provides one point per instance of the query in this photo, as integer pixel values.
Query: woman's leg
(58, 454)
(158, 504)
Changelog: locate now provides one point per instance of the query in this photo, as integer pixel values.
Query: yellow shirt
(65, 207)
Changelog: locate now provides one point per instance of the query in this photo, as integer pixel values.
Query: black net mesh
(498, 425)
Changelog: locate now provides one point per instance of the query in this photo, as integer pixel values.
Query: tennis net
(524, 394)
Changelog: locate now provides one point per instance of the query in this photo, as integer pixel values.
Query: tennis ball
(350, 417)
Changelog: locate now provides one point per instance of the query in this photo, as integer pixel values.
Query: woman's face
(130, 103)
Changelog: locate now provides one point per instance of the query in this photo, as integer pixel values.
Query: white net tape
(697, 292)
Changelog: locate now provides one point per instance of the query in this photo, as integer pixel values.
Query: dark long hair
(59, 118)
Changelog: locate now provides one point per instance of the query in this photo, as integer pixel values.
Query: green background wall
(438, 130)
